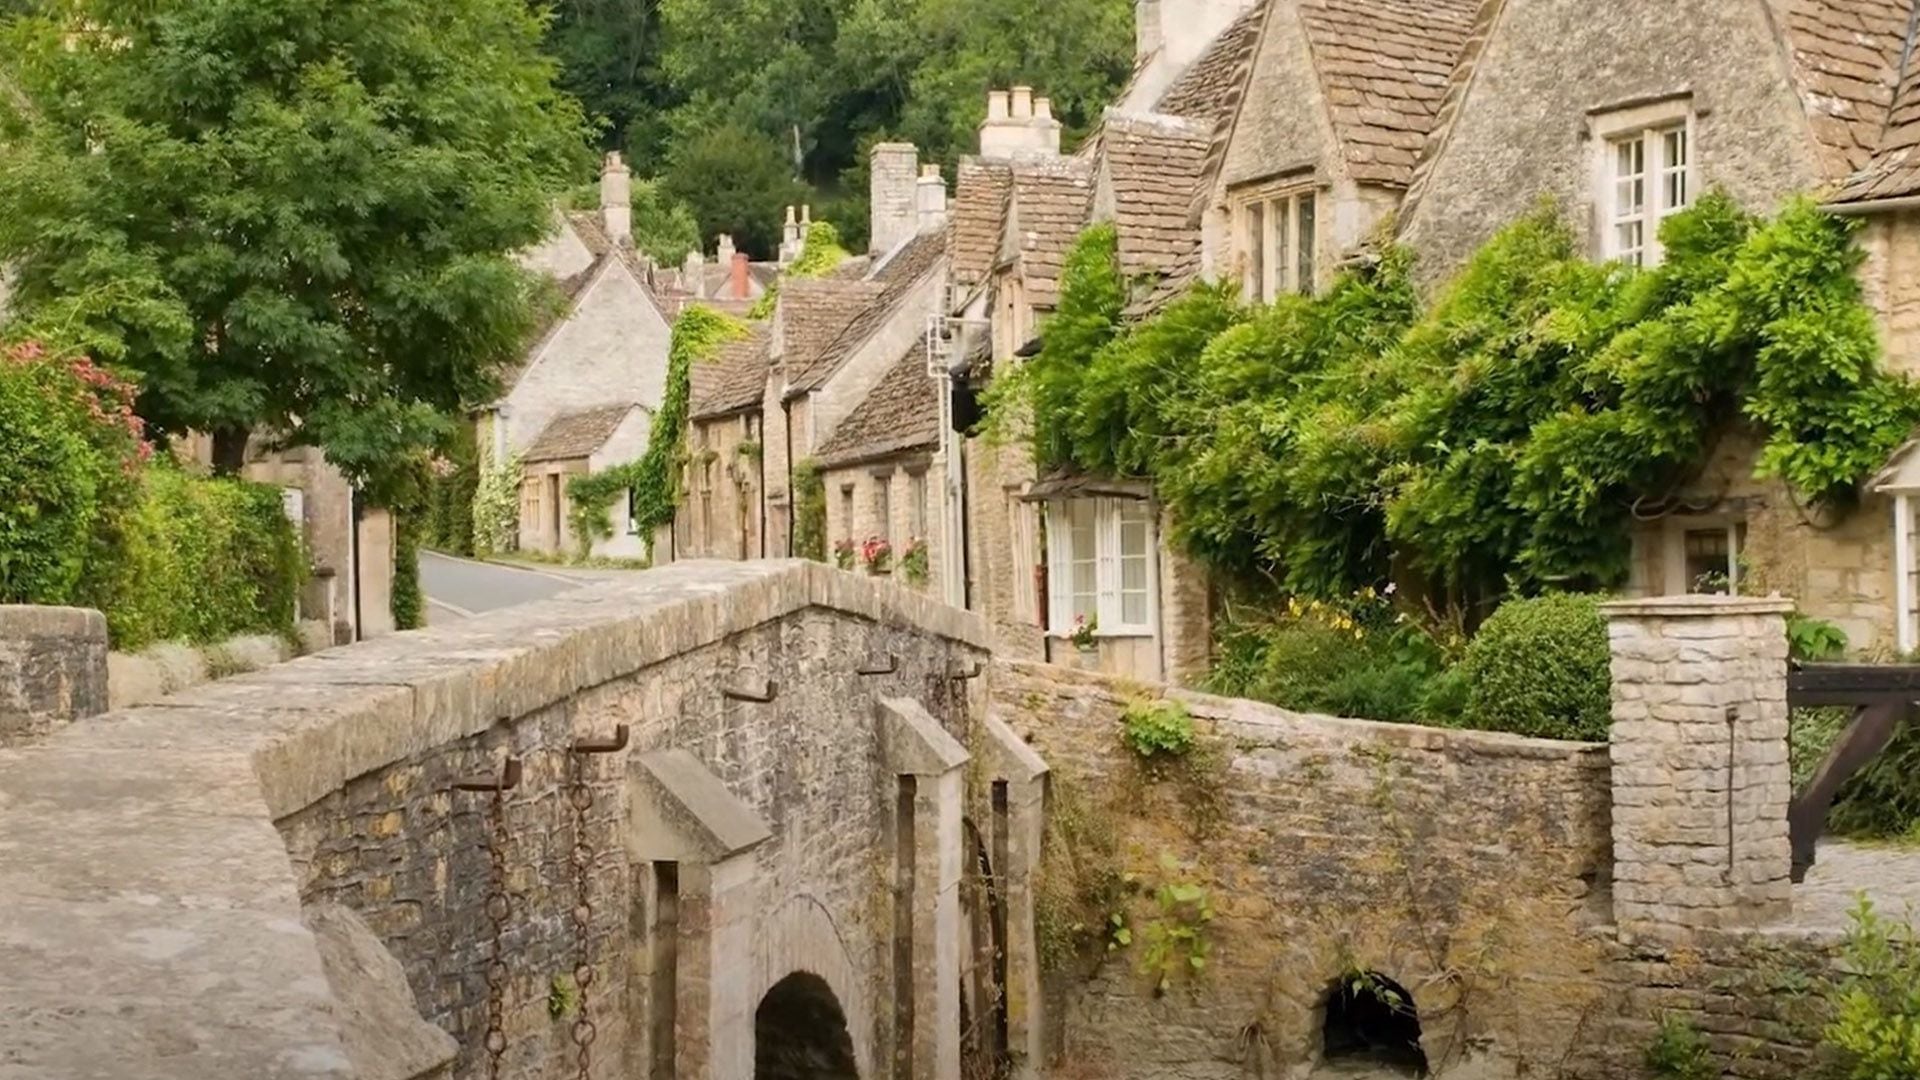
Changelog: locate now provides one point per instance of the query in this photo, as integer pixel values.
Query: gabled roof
(979, 216)
(586, 226)
(1154, 168)
(578, 434)
(1385, 66)
(895, 276)
(813, 314)
(901, 413)
(1048, 209)
(734, 379)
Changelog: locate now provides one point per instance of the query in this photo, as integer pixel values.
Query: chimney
(616, 201)
(1019, 127)
(739, 282)
(791, 240)
(724, 256)
(1146, 29)
(1187, 28)
(694, 273)
(895, 168)
(932, 200)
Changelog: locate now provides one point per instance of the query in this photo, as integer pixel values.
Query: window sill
(1106, 635)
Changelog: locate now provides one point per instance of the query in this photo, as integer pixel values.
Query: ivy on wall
(818, 256)
(1491, 441)
(655, 478)
(810, 511)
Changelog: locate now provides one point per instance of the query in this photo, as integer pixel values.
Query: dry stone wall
(1464, 866)
(53, 668)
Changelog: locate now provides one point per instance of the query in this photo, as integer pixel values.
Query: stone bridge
(771, 821)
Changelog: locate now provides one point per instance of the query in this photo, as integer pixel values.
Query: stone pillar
(713, 1013)
(1701, 783)
(1019, 779)
(915, 747)
(53, 669)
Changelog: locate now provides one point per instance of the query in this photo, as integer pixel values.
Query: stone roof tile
(1155, 166)
(1846, 54)
(901, 413)
(979, 216)
(734, 378)
(1210, 89)
(1049, 208)
(578, 434)
(813, 314)
(895, 278)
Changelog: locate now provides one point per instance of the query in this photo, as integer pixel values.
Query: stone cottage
(723, 509)
(1624, 114)
(579, 444)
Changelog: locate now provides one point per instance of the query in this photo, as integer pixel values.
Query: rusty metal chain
(498, 909)
(580, 796)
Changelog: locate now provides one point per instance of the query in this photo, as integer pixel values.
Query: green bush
(454, 482)
(1875, 1030)
(406, 602)
(1360, 658)
(1680, 1052)
(1154, 727)
(1540, 667)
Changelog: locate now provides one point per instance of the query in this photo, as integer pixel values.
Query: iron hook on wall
(960, 674)
(508, 779)
(604, 746)
(767, 692)
(891, 665)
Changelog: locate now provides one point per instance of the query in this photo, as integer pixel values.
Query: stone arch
(801, 936)
(1371, 1019)
(800, 1032)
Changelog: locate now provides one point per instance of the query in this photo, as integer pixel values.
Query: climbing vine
(655, 478)
(810, 512)
(821, 253)
(1494, 440)
(496, 506)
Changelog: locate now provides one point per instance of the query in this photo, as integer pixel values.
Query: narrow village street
(458, 588)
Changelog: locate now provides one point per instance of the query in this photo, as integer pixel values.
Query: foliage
(736, 181)
(1882, 799)
(876, 554)
(496, 506)
(1152, 727)
(293, 215)
(1680, 1052)
(609, 55)
(1875, 1028)
(1814, 639)
(1540, 667)
(914, 561)
(1079, 886)
(655, 478)
(454, 484)
(1175, 940)
(810, 512)
(563, 997)
(1085, 633)
(197, 559)
(844, 553)
(819, 254)
(405, 601)
(69, 450)
(1811, 732)
(663, 226)
(1491, 443)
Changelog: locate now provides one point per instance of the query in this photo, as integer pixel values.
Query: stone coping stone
(40, 621)
(150, 922)
(1260, 722)
(706, 821)
(1695, 607)
(913, 743)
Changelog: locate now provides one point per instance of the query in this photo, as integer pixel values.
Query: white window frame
(1646, 129)
(1678, 581)
(1110, 515)
(1280, 207)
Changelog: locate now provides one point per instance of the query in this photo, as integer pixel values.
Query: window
(846, 512)
(1711, 557)
(633, 514)
(1025, 536)
(1646, 161)
(883, 506)
(916, 506)
(1101, 565)
(1277, 244)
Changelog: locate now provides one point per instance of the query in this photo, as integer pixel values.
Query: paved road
(457, 588)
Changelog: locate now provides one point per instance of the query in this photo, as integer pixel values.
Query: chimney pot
(616, 200)
(806, 215)
(996, 105)
(931, 199)
(1023, 103)
(1042, 108)
(740, 281)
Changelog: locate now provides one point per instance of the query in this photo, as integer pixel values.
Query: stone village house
(584, 397)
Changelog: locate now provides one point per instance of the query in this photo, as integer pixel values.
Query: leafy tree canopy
(284, 214)
(737, 182)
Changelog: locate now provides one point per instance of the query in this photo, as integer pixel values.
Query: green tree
(291, 215)
(609, 53)
(737, 182)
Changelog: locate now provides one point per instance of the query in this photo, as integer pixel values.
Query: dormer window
(1645, 174)
(1275, 241)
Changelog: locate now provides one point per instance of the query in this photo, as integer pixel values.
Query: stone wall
(1465, 866)
(53, 669)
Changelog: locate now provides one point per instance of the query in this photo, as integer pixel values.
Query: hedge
(1541, 667)
(87, 518)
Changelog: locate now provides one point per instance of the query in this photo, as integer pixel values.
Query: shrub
(1680, 1052)
(1360, 658)
(1540, 667)
(496, 507)
(1875, 1029)
(406, 601)
(452, 487)
(1157, 727)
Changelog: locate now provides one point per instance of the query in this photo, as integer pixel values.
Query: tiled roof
(1385, 66)
(979, 216)
(578, 435)
(901, 413)
(733, 378)
(896, 277)
(1845, 57)
(1210, 89)
(1049, 208)
(1155, 165)
(812, 316)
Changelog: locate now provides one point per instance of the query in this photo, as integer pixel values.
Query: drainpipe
(1873, 206)
(793, 504)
